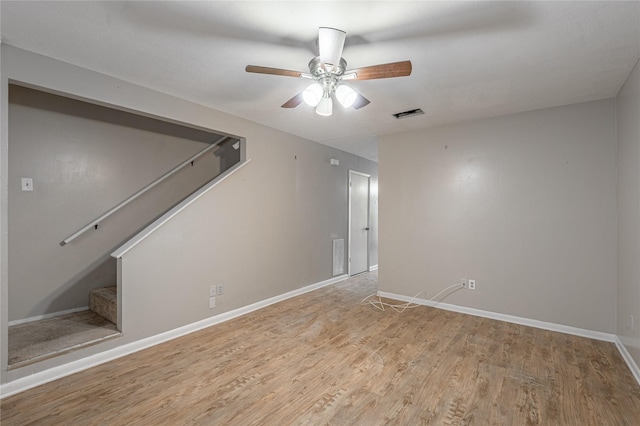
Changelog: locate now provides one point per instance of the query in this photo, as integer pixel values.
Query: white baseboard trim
(597, 335)
(373, 268)
(47, 316)
(40, 378)
(628, 359)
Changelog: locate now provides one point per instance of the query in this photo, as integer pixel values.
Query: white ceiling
(470, 59)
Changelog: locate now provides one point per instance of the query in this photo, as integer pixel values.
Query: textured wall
(84, 159)
(628, 304)
(525, 204)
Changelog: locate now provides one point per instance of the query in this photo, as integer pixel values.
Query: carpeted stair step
(104, 302)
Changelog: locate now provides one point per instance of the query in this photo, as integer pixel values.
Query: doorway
(358, 222)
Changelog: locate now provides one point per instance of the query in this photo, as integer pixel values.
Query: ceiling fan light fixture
(312, 95)
(325, 107)
(346, 96)
(327, 70)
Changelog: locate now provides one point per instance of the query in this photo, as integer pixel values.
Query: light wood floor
(322, 358)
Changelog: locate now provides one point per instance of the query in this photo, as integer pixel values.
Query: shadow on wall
(101, 273)
(62, 105)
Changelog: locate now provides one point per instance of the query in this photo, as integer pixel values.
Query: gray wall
(265, 231)
(525, 204)
(84, 159)
(628, 131)
(258, 240)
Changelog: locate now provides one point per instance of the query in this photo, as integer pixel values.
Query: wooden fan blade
(394, 69)
(272, 71)
(293, 102)
(360, 102)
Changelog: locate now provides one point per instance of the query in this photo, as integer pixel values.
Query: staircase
(104, 302)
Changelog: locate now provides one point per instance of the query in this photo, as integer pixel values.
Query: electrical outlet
(472, 284)
(220, 289)
(463, 281)
(212, 302)
(212, 290)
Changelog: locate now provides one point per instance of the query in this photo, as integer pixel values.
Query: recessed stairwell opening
(84, 179)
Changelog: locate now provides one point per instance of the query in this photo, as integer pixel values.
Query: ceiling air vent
(409, 113)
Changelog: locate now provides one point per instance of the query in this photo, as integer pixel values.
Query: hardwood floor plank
(323, 358)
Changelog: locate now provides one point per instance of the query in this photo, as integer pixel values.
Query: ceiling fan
(328, 70)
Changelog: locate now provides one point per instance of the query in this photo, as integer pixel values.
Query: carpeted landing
(39, 340)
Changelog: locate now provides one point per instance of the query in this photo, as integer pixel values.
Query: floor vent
(409, 113)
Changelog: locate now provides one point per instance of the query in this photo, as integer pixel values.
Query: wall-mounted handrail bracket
(95, 223)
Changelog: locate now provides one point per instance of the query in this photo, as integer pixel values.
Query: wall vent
(338, 257)
(409, 113)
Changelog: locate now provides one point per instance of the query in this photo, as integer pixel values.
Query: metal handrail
(96, 222)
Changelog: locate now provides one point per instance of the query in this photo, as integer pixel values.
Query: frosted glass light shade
(313, 94)
(325, 107)
(346, 96)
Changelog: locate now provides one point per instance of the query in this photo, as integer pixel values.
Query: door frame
(368, 176)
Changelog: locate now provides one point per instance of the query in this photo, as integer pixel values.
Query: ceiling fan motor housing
(327, 75)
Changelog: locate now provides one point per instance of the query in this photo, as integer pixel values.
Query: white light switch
(27, 184)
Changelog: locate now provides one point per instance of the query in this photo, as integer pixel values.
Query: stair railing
(96, 222)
